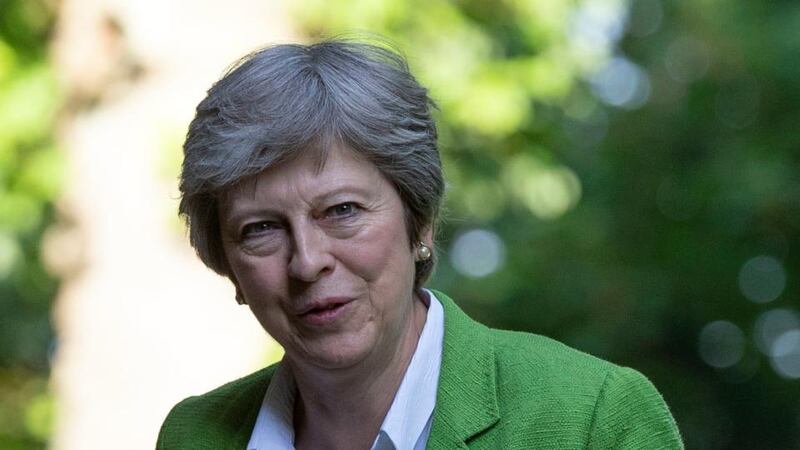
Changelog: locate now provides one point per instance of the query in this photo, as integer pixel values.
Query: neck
(345, 408)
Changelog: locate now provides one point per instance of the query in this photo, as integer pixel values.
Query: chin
(334, 361)
(340, 352)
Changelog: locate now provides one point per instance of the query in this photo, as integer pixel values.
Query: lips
(323, 305)
(326, 314)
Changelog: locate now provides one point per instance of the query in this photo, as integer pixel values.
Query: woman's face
(323, 259)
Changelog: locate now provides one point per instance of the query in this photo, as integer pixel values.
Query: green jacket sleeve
(630, 414)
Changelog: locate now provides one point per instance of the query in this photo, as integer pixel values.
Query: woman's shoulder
(216, 416)
(550, 392)
(529, 357)
(548, 382)
(535, 367)
(529, 354)
(521, 354)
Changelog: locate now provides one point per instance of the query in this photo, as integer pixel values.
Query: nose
(310, 258)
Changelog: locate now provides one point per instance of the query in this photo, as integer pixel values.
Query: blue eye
(342, 210)
(256, 228)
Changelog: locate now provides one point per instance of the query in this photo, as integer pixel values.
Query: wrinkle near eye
(262, 245)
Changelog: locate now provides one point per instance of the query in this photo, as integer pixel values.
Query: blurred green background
(30, 173)
(622, 177)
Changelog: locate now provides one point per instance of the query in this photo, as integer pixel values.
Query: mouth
(325, 311)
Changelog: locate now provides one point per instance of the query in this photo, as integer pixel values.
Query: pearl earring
(423, 252)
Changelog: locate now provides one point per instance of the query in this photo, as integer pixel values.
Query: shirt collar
(413, 404)
(273, 428)
(408, 418)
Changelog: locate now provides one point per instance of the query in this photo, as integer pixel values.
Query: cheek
(383, 255)
(258, 278)
(263, 288)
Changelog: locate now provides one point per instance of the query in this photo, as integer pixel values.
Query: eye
(346, 209)
(257, 228)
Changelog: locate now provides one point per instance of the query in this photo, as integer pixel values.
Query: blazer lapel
(233, 426)
(466, 401)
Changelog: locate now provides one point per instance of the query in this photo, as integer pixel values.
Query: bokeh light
(786, 354)
(547, 190)
(595, 27)
(477, 253)
(484, 200)
(495, 105)
(721, 344)
(9, 254)
(621, 83)
(762, 279)
(771, 325)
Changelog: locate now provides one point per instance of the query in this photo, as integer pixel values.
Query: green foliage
(626, 229)
(30, 176)
(26, 412)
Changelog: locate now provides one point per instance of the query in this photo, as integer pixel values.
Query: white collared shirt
(406, 426)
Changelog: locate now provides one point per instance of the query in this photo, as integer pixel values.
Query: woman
(312, 180)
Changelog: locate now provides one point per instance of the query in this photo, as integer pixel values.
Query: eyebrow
(345, 188)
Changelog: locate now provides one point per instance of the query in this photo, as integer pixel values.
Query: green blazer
(497, 390)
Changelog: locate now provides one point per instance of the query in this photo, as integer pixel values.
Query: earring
(423, 252)
(240, 298)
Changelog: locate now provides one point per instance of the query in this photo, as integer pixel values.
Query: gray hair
(282, 101)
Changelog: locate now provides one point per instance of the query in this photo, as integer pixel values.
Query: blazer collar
(466, 402)
(222, 419)
(240, 416)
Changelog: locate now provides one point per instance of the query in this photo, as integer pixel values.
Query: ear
(239, 295)
(427, 236)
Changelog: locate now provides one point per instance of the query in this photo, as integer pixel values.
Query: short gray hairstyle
(284, 100)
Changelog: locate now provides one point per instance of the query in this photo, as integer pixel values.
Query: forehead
(311, 174)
